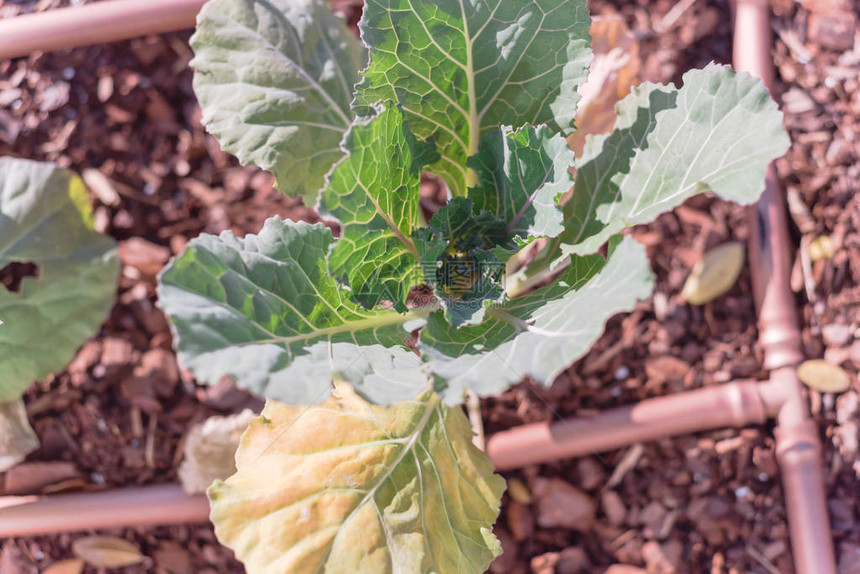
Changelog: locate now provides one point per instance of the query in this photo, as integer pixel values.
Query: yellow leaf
(820, 375)
(107, 551)
(346, 486)
(714, 274)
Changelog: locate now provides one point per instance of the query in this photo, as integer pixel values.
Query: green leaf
(45, 218)
(521, 173)
(265, 311)
(461, 69)
(542, 333)
(462, 254)
(717, 133)
(374, 193)
(275, 81)
(349, 487)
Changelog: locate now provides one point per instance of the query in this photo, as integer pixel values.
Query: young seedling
(377, 472)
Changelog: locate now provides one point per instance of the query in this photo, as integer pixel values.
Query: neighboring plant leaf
(45, 218)
(824, 377)
(349, 487)
(210, 450)
(17, 438)
(521, 173)
(274, 79)
(669, 145)
(374, 193)
(540, 334)
(613, 72)
(715, 273)
(265, 311)
(107, 551)
(460, 70)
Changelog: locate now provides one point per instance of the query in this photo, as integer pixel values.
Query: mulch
(711, 502)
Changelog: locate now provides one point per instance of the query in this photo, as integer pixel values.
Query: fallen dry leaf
(17, 438)
(519, 491)
(824, 377)
(614, 70)
(210, 451)
(107, 551)
(68, 566)
(714, 274)
(821, 248)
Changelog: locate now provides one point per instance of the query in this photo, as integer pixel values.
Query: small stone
(561, 505)
(835, 334)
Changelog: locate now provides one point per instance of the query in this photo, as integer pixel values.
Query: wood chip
(69, 566)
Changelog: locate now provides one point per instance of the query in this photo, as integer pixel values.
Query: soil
(705, 503)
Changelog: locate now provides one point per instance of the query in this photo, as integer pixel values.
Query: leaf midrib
(407, 448)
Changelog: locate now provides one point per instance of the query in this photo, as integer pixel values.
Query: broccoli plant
(369, 466)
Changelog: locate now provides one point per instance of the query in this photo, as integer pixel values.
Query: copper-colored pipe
(735, 404)
(149, 505)
(798, 448)
(97, 23)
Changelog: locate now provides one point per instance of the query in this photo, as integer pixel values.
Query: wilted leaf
(459, 69)
(670, 144)
(714, 274)
(519, 491)
(614, 71)
(45, 218)
(820, 375)
(265, 310)
(349, 487)
(17, 438)
(540, 334)
(107, 551)
(210, 451)
(69, 566)
(275, 79)
(374, 194)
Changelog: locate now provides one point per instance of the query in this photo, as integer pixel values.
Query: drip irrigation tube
(97, 23)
